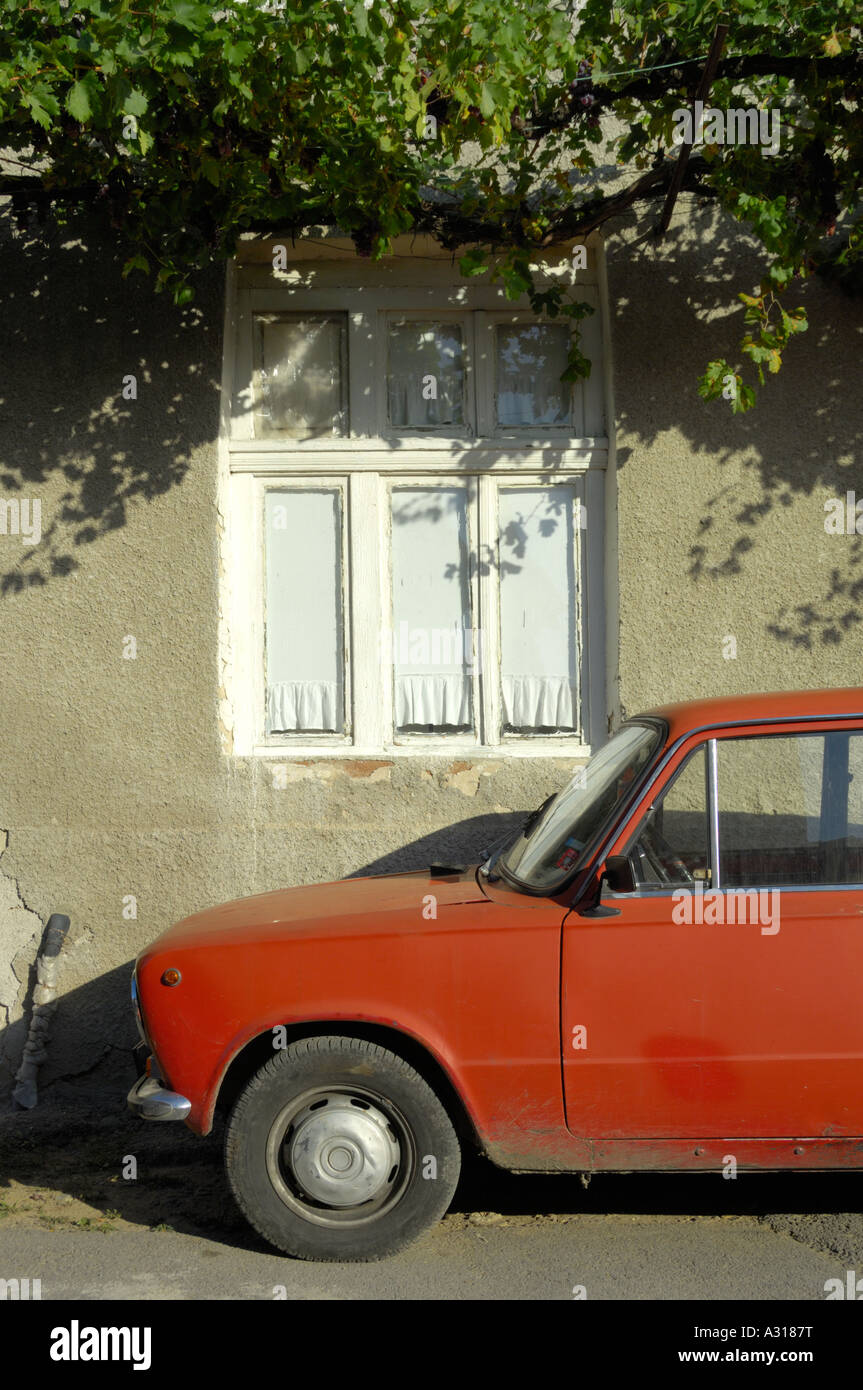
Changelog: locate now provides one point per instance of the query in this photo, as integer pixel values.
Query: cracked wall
(20, 934)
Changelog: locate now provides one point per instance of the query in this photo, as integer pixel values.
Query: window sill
(520, 748)
(523, 441)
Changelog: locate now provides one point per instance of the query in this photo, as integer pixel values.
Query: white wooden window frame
(367, 314)
(367, 609)
(366, 463)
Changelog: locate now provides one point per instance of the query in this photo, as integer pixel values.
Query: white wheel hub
(341, 1152)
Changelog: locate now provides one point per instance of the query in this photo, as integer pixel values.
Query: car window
(672, 845)
(784, 809)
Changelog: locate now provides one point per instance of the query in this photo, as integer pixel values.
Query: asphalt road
(481, 1256)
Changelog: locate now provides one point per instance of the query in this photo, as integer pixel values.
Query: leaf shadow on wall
(802, 443)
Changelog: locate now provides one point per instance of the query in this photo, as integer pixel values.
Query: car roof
(689, 715)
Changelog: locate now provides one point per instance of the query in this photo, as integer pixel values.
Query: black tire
(321, 1121)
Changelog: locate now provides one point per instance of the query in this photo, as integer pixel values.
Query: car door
(722, 997)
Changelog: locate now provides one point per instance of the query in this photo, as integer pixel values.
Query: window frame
(488, 322)
(367, 462)
(366, 353)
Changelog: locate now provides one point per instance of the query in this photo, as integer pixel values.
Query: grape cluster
(582, 95)
(580, 86)
(437, 103)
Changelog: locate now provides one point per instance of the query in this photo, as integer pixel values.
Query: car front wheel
(337, 1149)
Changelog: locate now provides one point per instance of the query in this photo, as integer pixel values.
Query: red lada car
(663, 970)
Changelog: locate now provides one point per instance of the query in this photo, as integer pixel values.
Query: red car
(661, 970)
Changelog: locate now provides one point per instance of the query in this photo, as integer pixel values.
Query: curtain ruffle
(436, 700)
(304, 705)
(539, 702)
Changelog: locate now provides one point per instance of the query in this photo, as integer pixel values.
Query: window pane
(299, 371)
(539, 675)
(425, 375)
(770, 810)
(304, 623)
(530, 359)
(672, 846)
(432, 652)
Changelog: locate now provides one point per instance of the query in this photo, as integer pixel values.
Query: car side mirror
(618, 874)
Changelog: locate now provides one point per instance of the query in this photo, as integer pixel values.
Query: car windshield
(549, 846)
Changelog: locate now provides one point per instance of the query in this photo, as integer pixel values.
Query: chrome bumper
(150, 1100)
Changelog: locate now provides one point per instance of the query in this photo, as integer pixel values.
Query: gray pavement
(482, 1257)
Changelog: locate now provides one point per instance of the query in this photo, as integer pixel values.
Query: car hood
(321, 905)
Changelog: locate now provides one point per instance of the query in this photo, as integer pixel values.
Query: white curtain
(538, 593)
(309, 705)
(523, 398)
(431, 608)
(425, 357)
(530, 359)
(539, 702)
(409, 410)
(436, 700)
(305, 654)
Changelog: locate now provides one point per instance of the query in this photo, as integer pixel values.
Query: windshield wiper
(490, 857)
(535, 816)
